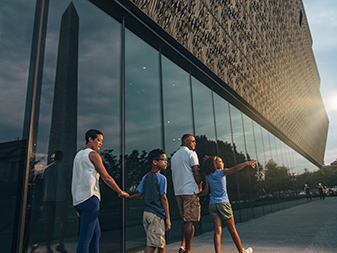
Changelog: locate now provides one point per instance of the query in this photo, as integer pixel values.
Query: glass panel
(243, 176)
(265, 196)
(177, 121)
(205, 137)
(177, 105)
(259, 149)
(142, 125)
(251, 155)
(239, 145)
(16, 30)
(204, 120)
(223, 128)
(274, 149)
(267, 146)
(97, 89)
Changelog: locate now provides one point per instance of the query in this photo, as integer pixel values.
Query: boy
(156, 217)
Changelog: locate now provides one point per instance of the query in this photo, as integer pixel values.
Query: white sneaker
(249, 250)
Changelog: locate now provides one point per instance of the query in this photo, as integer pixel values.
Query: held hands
(123, 194)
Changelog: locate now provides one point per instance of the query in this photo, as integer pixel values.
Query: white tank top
(85, 178)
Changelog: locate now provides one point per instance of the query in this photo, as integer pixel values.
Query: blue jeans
(90, 231)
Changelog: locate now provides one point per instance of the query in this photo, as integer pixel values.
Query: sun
(335, 102)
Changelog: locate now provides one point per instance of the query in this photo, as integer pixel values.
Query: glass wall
(112, 80)
(16, 32)
(98, 92)
(143, 125)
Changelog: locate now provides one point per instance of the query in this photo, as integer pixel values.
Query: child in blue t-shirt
(219, 206)
(156, 216)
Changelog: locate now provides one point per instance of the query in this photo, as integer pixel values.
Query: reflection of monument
(63, 131)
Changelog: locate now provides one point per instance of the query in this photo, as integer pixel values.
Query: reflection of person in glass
(320, 191)
(56, 179)
(307, 191)
(36, 209)
(156, 216)
(187, 183)
(219, 205)
(87, 168)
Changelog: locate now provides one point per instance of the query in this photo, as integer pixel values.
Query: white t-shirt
(182, 175)
(85, 178)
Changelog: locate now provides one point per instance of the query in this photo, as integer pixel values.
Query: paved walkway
(307, 228)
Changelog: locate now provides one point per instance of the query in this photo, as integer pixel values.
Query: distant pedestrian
(320, 191)
(307, 192)
(219, 205)
(156, 216)
(187, 183)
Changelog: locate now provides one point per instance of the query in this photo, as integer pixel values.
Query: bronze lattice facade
(263, 51)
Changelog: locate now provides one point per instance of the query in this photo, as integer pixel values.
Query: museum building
(239, 75)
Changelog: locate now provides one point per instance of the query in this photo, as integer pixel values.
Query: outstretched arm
(97, 161)
(135, 196)
(240, 166)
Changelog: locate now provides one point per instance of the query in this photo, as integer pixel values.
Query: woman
(219, 206)
(87, 168)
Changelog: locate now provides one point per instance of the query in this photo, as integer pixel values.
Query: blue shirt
(152, 186)
(217, 183)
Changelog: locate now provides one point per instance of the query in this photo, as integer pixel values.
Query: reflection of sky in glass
(98, 76)
(266, 142)
(222, 119)
(275, 150)
(203, 110)
(279, 151)
(16, 30)
(237, 129)
(142, 96)
(284, 148)
(249, 135)
(259, 144)
(177, 105)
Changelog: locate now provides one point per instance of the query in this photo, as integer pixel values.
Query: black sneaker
(61, 248)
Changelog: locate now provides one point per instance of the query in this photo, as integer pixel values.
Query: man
(187, 183)
(307, 191)
(321, 191)
(56, 198)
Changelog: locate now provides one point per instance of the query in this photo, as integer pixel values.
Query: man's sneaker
(181, 250)
(249, 250)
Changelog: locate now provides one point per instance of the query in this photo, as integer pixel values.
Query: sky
(322, 18)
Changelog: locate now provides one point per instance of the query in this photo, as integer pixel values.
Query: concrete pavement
(307, 228)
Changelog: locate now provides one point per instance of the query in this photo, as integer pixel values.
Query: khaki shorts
(189, 207)
(155, 230)
(221, 210)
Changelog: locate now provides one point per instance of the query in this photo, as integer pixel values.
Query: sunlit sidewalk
(307, 228)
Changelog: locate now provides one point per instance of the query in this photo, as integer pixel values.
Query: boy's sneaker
(181, 250)
(249, 250)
